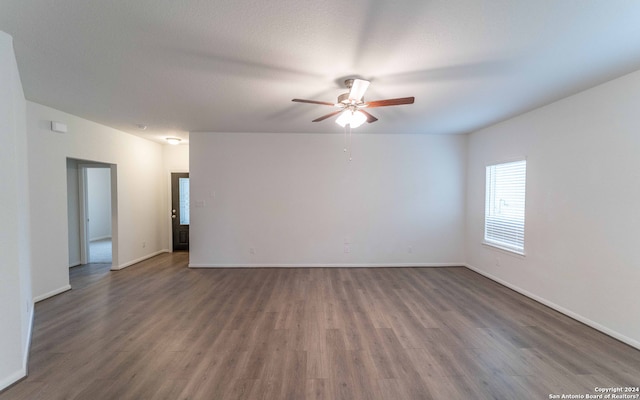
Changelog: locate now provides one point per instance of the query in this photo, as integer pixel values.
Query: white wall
(296, 199)
(15, 281)
(140, 190)
(176, 158)
(582, 206)
(99, 203)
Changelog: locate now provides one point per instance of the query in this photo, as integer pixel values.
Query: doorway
(180, 210)
(91, 206)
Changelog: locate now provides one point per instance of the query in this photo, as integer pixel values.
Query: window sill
(505, 249)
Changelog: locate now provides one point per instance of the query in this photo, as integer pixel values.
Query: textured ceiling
(234, 66)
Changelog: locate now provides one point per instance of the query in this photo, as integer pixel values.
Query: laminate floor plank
(159, 330)
(316, 389)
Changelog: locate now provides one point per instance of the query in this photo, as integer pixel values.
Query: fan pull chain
(345, 138)
(350, 143)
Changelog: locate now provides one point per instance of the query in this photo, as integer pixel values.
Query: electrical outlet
(144, 244)
(410, 249)
(347, 249)
(497, 261)
(252, 251)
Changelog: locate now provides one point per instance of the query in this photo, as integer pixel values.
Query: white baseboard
(13, 378)
(616, 335)
(22, 372)
(51, 293)
(130, 263)
(396, 265)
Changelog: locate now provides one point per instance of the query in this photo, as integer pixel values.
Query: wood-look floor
(158, 330)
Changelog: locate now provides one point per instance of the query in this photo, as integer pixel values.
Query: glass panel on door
(183, 184)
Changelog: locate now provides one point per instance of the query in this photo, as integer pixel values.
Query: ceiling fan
(351, 104)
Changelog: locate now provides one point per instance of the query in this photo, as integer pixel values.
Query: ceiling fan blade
(326, 103)
(370, 118)
(391, 102)
(358, 87)
(327, 116)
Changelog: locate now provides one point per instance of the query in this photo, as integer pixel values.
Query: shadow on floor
(83, 275)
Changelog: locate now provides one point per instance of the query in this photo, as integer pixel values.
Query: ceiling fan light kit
(351, 118)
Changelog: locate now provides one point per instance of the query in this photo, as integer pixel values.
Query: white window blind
(504, 207)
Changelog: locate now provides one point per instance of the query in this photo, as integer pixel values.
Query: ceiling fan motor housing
(344, 98)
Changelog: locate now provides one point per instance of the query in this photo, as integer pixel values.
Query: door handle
(173, 216)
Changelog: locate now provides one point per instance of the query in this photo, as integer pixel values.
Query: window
(504, 207)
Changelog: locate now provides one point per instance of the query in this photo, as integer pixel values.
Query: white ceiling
(234, 66)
